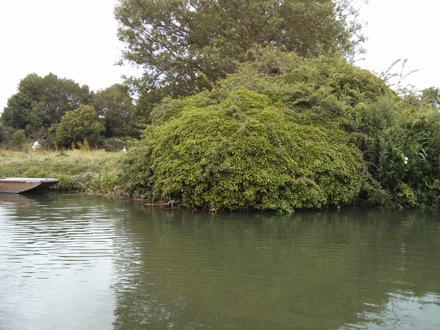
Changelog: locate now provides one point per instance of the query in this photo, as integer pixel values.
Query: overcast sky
(404, 29)
(76, 39)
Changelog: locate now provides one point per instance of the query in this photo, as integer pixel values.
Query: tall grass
(77, 170)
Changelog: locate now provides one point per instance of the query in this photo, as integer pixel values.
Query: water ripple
(69, 262)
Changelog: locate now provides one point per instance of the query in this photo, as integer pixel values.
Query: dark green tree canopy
(115, 107)
(41, 102)
(185, 45)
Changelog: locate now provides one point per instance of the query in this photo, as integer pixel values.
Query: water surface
(82, 262)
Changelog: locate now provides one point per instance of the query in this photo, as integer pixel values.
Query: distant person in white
(36, 145)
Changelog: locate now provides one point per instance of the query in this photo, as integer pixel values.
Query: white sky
(76, 39)
(404, 29)
(73, 39)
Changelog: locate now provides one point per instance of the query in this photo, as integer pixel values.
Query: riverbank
(93, 171)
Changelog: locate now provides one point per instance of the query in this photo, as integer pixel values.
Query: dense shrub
(244, 151)
(81, 124)
(287, 132)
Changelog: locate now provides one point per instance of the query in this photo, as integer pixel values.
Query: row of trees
(59, 112)
(181, 47)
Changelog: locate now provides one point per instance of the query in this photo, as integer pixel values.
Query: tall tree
(16, 113)
(41, 102)
(115, 106)
(184, 45)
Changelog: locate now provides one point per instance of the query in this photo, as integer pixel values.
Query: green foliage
(82, 124)
(215, 150)
(41, 102)
(185, 46)
(16, 138)
(432, 97)
(324, 89)
(243, 151)
(115, 106)
(385, 126)
(2, 133)
(407, 157)
(400, 141)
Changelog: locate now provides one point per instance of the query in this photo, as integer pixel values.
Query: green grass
(78, 170)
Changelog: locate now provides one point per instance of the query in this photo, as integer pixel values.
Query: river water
(84, 262)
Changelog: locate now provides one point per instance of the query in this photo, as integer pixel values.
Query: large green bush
(243, 152)
(286, 132)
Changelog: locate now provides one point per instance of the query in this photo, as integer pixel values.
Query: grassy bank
(78, 170)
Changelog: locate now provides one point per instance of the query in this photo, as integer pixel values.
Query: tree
(78, 125)
(432, 97)
(183, 46)
(41, 102)
(115, 106)
(17, 111)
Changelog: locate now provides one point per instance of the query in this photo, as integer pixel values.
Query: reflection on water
(81, 262)
(55, 264)
(402, 311)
